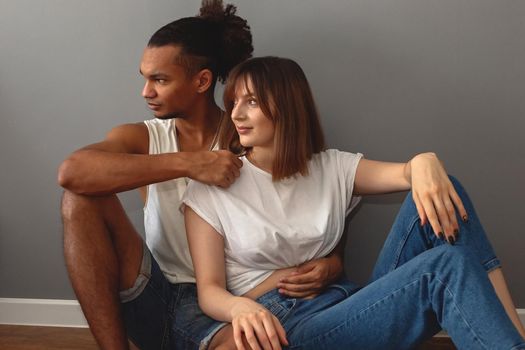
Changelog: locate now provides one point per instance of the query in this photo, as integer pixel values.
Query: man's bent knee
(75, 204)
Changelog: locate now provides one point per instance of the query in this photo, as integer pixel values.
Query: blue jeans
(160, 315)
(419, 286)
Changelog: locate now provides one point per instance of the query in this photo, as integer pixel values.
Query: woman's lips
(243, 130)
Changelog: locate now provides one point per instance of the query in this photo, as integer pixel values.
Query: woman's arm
(435, 197)
(248, 318)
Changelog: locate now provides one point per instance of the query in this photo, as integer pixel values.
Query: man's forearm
(95, 172)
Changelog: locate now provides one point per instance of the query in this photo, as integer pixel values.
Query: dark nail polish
(465, 218)
(441, 235)
(456, 234)
(451, 240)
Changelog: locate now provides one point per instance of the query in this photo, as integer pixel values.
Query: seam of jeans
(340, 288)
(459, 311)
(288, 310)
(520, 346)
(187, 336)
(165, 335)
(403, 242)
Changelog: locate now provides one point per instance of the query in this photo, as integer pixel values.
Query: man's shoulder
(134, 136)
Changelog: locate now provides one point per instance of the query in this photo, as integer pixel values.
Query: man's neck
(196, 131)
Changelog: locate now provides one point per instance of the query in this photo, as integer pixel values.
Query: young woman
(437, 269)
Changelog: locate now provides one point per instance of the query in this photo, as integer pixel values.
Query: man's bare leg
(502, 291)
(103, 253)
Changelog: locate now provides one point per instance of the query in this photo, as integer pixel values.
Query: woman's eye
(252, 102)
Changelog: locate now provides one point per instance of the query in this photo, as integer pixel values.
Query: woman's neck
(262, 158)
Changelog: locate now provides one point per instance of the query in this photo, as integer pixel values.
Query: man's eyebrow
(155, 75)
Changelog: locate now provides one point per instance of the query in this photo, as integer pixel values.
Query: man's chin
(166, 116)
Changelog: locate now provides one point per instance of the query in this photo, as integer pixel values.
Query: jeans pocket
(281, 308)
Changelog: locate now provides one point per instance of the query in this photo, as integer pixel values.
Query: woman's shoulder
(336, 155)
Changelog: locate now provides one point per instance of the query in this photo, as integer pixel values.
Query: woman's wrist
(241, 305)
(416, 160)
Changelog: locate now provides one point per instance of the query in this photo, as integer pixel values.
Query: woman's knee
(454, 256)
(458, 186)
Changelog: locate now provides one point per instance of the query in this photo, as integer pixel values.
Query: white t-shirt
(270, 225)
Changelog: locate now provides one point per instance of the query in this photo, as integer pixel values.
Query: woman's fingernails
(465, 218)
(451, 240)
(441, 235)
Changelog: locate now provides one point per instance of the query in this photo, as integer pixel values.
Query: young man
(147, 291)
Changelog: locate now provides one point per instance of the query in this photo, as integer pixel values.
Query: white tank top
(163, 221)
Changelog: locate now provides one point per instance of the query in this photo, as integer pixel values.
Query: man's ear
(204, 80)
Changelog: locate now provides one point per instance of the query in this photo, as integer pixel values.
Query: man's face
(168, 90)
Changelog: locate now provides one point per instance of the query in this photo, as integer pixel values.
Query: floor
(57, 338)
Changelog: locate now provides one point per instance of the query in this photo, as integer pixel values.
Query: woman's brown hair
(284, 96)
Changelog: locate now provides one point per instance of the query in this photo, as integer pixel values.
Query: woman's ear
(204, 80)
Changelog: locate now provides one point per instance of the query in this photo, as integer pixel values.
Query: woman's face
(254, 128)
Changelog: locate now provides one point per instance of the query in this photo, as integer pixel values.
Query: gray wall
(391, 78)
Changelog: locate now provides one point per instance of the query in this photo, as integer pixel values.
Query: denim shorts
(160, 315)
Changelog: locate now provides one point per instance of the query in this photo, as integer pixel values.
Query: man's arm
(121, 162)
(312, 277)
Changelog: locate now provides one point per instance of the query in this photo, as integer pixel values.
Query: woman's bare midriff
(269, 283)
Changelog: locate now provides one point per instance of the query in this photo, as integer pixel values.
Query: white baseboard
(59, 313)
(41, 312)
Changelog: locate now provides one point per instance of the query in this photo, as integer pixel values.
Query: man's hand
(220, 168)
(311, 278)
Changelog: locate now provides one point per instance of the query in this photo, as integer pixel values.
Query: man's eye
(161, 81)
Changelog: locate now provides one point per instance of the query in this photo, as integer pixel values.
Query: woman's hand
(435, 197)
(260, 328)
(312, 277)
